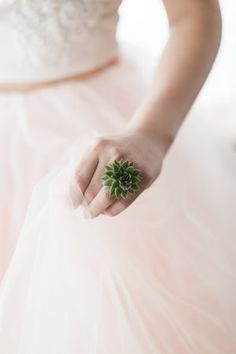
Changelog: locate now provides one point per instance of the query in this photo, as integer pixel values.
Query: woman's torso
(49, 40)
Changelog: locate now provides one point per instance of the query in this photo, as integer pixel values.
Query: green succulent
(121, 179)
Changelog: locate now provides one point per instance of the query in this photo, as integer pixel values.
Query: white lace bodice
(50, 39)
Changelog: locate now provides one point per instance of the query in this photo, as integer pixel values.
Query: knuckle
(116, 151)
(90, 193)
(125, 203)
(148, 173)
(99, 144)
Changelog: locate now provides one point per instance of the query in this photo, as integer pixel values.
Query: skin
(194, 39)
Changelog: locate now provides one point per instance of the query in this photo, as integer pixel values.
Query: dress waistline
(24, 87)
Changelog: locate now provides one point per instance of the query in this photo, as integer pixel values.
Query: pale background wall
(144, 23)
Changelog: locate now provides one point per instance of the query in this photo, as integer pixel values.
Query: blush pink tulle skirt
(159, 278)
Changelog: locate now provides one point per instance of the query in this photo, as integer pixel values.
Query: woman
(152, 272)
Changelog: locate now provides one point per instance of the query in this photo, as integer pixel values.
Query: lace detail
(47, 30)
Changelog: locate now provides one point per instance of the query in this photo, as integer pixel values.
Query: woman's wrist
(161, 139)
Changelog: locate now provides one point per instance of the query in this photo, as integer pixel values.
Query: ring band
(121, 178)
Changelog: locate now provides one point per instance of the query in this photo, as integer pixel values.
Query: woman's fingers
(120, 205)
(106, 155)
(115, 209)
(100, 203)
(86, 169)
(95, 183)
(103, 152)
(103, 204)
(91, 168)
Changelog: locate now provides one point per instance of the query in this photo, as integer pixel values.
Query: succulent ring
(121, 179)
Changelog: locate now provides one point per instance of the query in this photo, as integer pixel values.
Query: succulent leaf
(121, 178)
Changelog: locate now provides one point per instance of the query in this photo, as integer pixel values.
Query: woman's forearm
(195, 32)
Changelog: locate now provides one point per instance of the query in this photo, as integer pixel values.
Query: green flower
(121, 178)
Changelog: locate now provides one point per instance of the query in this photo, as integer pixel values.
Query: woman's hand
(133, 145)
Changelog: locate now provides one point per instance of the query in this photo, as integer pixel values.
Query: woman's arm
(195, 33)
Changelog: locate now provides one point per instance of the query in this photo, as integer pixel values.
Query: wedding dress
(157, 278)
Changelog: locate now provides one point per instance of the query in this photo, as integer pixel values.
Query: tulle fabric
(157, 278)
(38, 127)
